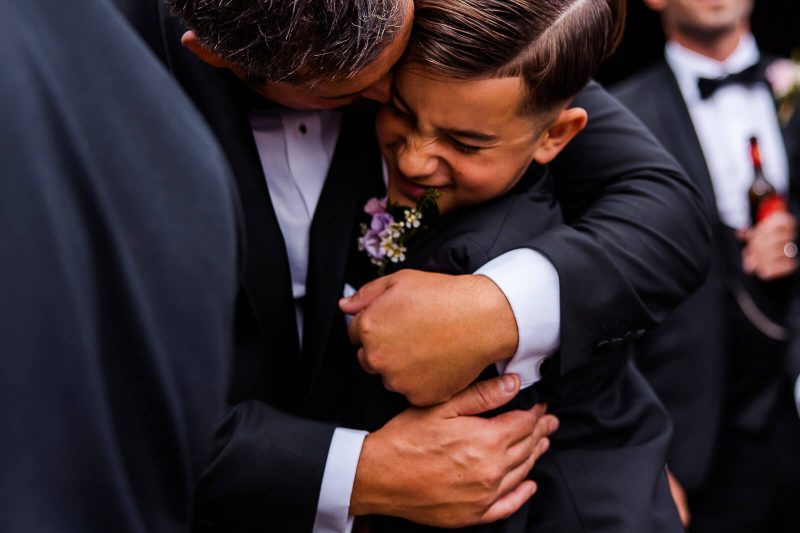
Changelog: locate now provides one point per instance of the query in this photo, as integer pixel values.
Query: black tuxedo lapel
(354, 171)
(266, 279)
(679, 135)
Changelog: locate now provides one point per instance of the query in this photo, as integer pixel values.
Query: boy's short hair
(555, 46)
(302, 42)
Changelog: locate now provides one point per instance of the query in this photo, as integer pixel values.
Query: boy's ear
(190, 41)
(558, 135)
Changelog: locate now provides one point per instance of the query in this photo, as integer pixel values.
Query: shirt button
(303, 129)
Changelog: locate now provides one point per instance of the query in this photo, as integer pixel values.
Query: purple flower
(375, 206)
(372, 244)
(381, 221)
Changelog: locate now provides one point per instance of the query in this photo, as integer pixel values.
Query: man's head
(484, 90)
(301, 53)
(702, 21)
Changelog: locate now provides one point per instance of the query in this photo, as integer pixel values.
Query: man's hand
(443, 467)
(681, 501)
(430, 335)
(770, 251)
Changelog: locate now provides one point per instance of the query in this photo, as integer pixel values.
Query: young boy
(480, 106)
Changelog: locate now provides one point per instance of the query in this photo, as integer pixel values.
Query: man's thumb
(483, 396)
(365, 295)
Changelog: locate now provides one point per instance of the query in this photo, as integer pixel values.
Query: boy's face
(467, 139)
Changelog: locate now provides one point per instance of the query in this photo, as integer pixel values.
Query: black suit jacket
(605, 468)
(706, 360)
(118, 277)
(268, 464)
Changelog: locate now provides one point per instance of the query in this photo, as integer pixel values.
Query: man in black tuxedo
(719, 362)
(604, 276)
(118, 237)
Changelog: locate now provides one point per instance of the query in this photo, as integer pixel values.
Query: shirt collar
(688, 66)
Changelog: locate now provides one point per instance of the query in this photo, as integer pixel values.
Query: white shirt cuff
(337, 482)
(530, 283)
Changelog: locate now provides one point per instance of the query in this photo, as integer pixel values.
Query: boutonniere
(386, 236)
(784, 77)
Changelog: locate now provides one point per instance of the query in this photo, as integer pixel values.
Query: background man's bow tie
(749, 76)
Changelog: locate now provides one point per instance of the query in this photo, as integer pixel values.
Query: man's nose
(381, 90)
(416, 157)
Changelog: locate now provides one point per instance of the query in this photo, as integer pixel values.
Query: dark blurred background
(776, 26)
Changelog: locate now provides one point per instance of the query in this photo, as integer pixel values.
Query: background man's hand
(443, 467)
(765, 253)
(430, 335)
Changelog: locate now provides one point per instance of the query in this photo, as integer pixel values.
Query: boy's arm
(636, 244)
(637, 236)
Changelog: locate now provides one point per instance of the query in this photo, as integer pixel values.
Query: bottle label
(773, 204)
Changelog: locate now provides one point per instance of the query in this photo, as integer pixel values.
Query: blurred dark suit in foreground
(117, 280)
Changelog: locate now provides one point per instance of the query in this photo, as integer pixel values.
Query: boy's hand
(430, 335)
(681, 501)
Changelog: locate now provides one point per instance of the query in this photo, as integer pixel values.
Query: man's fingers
(519, 425)
(510, 503)
(522, 459)
(365, 295)
(482, 396)
(354, 332)
(743, 234)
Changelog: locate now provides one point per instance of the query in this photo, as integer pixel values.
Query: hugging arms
(623, 260)
(634, 245)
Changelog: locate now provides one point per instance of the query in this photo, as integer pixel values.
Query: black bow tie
(749, 76)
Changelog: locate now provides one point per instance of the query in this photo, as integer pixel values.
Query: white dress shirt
(725, 122)
(296, 149)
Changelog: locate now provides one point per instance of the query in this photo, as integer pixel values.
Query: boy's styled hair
(555, 46)
(303, 42)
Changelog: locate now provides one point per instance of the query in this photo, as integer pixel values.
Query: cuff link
(790, 249)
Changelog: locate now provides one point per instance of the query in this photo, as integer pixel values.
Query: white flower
(413, 218)
(397, 229)
(394, 252)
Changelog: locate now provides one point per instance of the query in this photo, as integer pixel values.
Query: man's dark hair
(553, 45)
(302, 42)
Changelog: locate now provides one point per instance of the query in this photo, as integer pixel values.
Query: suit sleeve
(637, 234)
(792, 137)
(266, 468)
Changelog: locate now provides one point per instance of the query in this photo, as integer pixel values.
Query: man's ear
(558, 135)
(190, 41)
(656, 5)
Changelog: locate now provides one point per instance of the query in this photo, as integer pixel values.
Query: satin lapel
(265, 278)
(354, 169)
(680, 137)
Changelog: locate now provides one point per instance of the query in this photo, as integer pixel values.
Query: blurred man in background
(719, 363)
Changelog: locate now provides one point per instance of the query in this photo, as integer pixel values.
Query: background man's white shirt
(296, 149)
(725, 122)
